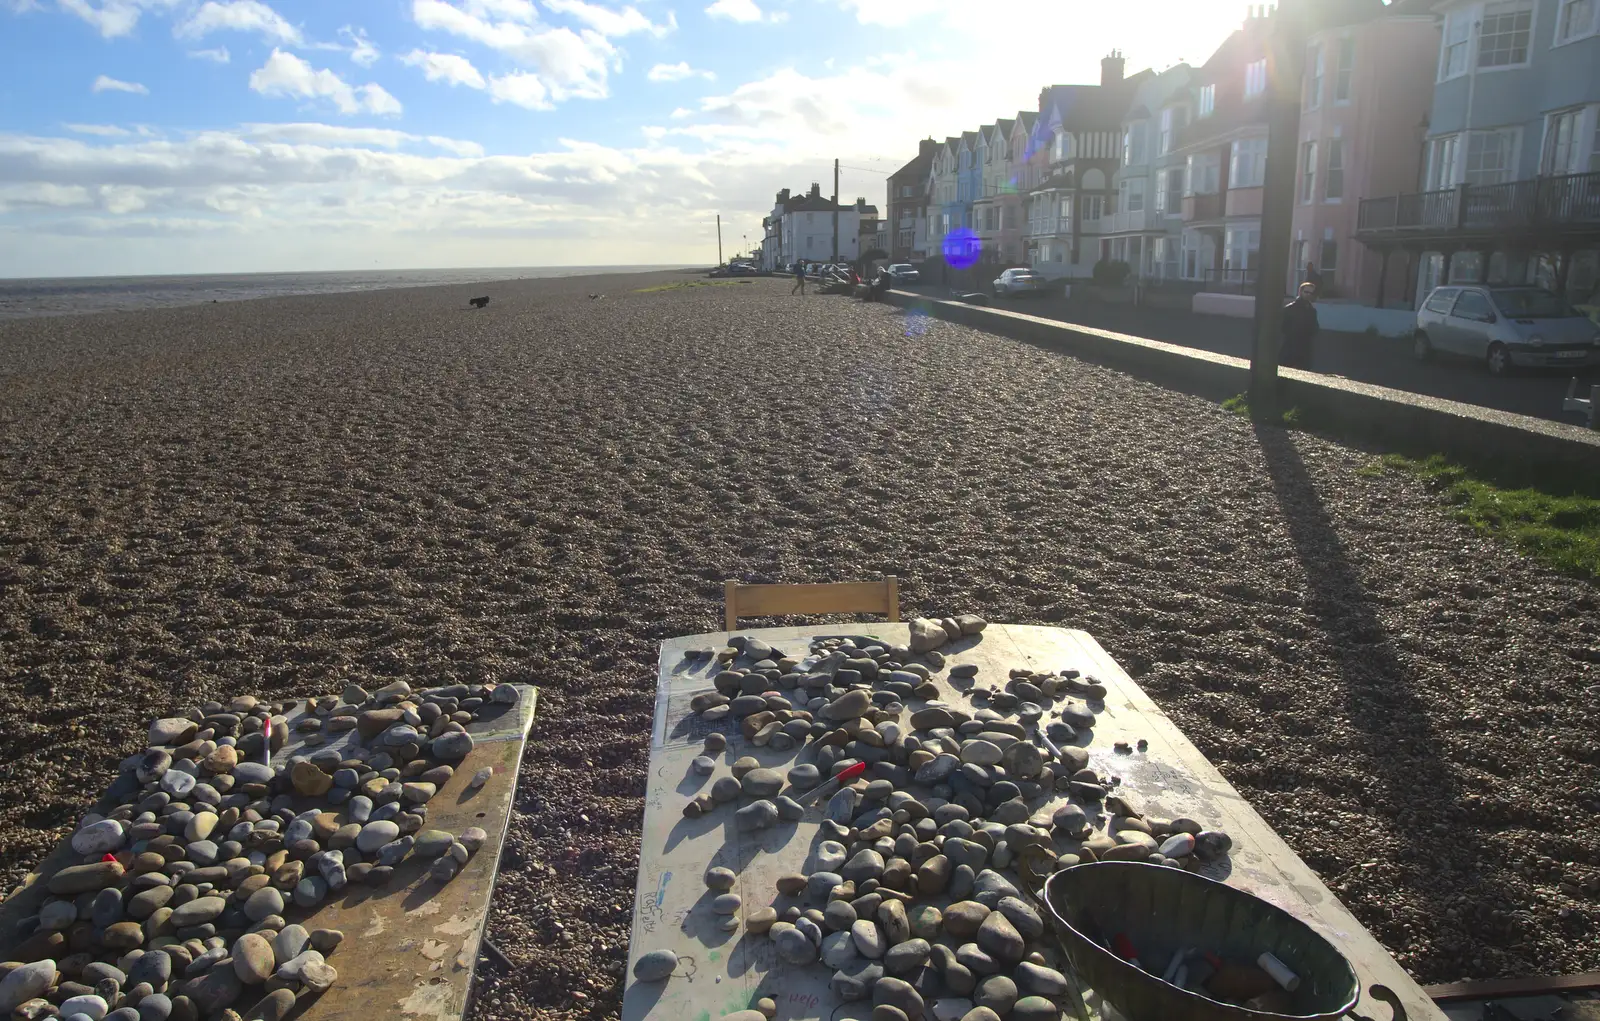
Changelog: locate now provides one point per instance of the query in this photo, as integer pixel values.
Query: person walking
(799, 278)
(1300, 326)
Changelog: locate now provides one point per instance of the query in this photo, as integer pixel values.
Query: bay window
(1314, 72)
(1208, 100)
(1308, 172)
(1344, 75)
(1204, 171)
(1491, 156)
(1453, 48)
(1255, 78)
(1575, 20)
(1333, 186)
(1248, 167)
(1443, 162)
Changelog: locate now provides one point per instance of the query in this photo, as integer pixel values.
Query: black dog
(478, 302)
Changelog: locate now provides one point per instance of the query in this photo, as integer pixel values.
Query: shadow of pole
(1420, 796)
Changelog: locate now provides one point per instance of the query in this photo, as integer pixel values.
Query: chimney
(1112, 68)
(783, 196)
(816, 190)
(861, 202)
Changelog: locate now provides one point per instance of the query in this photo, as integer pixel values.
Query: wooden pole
(1285, 69)
(719, 239)
(835, 210)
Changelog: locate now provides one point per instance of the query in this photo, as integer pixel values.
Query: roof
(1093, 106)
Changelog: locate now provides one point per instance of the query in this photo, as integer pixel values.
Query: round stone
(253, 958)
(375, 834)
(451, 747)
(705, 765)
(726, 903)
(655, 966)
(795, 947)
(762, 783)
(98, 838)
(720, 878)
(264, 902)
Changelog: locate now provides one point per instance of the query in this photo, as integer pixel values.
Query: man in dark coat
(1299, 327)
(799, 278)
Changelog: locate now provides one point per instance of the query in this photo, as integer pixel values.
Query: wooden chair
(838, 597)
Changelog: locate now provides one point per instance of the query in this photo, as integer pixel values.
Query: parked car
(904, 273)
(1505, 328)
(1020, 281)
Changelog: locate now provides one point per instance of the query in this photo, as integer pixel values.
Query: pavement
(1378, 360)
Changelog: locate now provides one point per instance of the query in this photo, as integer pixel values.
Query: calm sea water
(77, 295)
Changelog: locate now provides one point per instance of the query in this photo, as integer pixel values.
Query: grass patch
(675, 285)
(1239, 404)
(1560, 530)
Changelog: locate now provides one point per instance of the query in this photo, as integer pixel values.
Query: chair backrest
(837, 597)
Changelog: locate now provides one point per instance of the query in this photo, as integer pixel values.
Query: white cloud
(216, 56)
(524, 90)
(568, 64)
(101, 130)
(735, 10)
(312, 133)
(112, 18)
(105, 83)
(362, 51)
(676, 72)
(606, 21)
(445, 67)
(237, 16)
(285, 74)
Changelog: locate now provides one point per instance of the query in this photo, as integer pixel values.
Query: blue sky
(166, 136)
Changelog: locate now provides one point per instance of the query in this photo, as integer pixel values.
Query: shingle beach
(280, 497)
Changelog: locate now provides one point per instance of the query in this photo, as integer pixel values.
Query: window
(1441, 300)
(1243, 247)
(1333, 187)
(1174, 191)
(1314, 71)
(1329, 263)
(1490, 156)
(1344, 75)
(1575, 21)
(1093, 207)
(1203, 172)
(1503, 37)
(1208, 100)
(1133, 146)
(1453, 49)
(1442, 162)
(1248, 168)
(1133, 195)
(1255, 78)
(809, 239)
(1308, 172)
(1561, 148)
(1164, 135)
(1473, 305)
(1594, 149)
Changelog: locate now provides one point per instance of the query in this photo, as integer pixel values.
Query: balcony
(1202, 207)
(1123, 223)
(1049, 226)
(1540, 208)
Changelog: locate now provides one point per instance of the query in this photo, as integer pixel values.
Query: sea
(24, 298)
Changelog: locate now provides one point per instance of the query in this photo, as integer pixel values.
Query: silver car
(1020, 281)
(904, 273)
(1505, 327)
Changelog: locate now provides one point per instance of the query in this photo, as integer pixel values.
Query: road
(1355, 356)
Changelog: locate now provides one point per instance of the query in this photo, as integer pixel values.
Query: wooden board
(720, 972)
(411, 946)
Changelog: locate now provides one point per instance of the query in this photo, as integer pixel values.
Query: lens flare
(961, 248)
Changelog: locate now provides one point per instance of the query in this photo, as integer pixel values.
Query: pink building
(1365, 102)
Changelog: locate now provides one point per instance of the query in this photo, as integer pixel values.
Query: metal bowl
(1163, 910)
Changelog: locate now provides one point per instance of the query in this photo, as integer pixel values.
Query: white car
(1020, 281)
(904, 273)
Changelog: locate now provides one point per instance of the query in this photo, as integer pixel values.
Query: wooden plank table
(411, 945)
(720, 972)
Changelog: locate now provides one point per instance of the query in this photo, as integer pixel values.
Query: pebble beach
(287, 496)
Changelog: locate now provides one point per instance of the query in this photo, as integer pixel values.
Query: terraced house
(1365, 97)
(1143, 228)
(1511, 170)
(1078, 139)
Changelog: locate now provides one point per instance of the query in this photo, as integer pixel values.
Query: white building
(802, 227)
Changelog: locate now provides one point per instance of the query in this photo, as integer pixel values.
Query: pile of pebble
(178, 906)
(944, 814)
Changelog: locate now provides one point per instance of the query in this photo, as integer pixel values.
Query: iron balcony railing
(1555, 203)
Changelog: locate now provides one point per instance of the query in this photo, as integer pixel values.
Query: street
(1357, 356)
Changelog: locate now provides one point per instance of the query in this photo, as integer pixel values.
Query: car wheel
(1421, 347)
(1498, 360)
